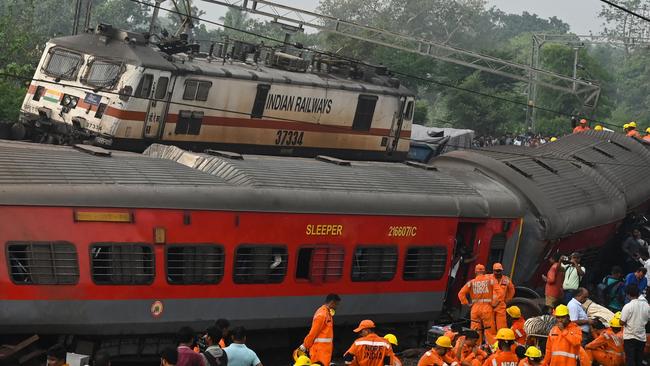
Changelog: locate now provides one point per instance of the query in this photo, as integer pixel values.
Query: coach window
(189, 264)
(161, 87)
(260, 100)
(42, 263)
(320, 263)
(425, 263)
(144, 86)
(63, 64)
(122, 263)
(497, 248)
(374, 263)
(189, 123)
(197, 90)
(102, 74)
(365, 111)
(260, 264)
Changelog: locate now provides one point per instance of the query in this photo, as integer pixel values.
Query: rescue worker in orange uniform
(506, 294)
(467, 350)
(516, 322)
(319, 341)
(504, 355)
(582, 127)
(484, 292)
(369, 349)
(563, 343)
(392, 339)
(434, 357)
(647, 135)
(607, 349)
(533, 357)
(631, 130)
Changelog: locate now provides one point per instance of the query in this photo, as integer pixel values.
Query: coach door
(158, 102)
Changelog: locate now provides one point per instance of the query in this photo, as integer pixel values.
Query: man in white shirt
(573, 273)
(645, 261)
(578, 315)
(634, 317)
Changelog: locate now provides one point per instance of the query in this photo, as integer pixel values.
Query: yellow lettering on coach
(324, 230)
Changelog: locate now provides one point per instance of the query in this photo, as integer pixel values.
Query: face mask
(332, 312)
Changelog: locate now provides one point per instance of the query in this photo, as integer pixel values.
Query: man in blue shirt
(578, 315)
(638, 279)
(238, 353)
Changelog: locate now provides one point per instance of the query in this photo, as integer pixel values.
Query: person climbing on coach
(506, 294)
(631, 130)
(582, 127)
(484, 293)
(319, 340)
(369, 349)
(647, 135)
(434, 357)
(504, 355)
(563, 342)
(516, 323)
(607, 349)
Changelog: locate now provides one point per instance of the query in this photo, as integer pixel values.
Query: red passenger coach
(135, 245)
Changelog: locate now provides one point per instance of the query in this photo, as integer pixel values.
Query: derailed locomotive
(113, 88)
(123, 245)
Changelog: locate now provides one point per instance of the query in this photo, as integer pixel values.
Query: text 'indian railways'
(292, 103)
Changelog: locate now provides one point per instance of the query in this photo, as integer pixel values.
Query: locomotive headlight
(66, 100)
(73, 102)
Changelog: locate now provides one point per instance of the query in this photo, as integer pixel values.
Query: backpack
(606, 292)
(216, 356)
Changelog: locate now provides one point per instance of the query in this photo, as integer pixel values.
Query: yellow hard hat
(598, 128)
(514, 311)
(626, 126)
(391, 339)
(444, 342)
(615, 323)
(647, 130)
(297, 353)
(506, 334)
(632, 124)
(533, 352)
(553, 139)
(617, 315)
(561, 310)
(302, 361)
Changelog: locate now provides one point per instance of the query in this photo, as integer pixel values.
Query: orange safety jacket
(518, 328)
(472, 355)
(607, 349)
(525, 362)
(322, 328)
(646, 137)
(633, 133)
(431, 358)
(502, 358)
(371, 350)
(507, 288)
(579, 129)
(482, 289)
(563, 346)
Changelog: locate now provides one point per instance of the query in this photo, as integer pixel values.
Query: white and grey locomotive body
(112, 87)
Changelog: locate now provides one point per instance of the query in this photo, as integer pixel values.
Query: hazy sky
(581, 15)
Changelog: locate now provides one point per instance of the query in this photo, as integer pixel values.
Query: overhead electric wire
(626, 10)
(459, 147)
(360, 62)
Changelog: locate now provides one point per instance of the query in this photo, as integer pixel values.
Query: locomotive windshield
(63, 64)
(103, 74)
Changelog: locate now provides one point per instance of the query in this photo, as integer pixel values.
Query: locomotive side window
(63, 64)
(144, 86)
(260, 264)
(408, 112)
(43, 263)
(374, 263)
(260, 100)
(197, 90)
(122, 263)
(189, 123)
(320, 263)
(194, 264)
(102, 74)
(364, 113)
(161, 88)
(425, 263)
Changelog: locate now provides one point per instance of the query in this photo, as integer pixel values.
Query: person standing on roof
(434, 357)
(506, 294)
(631, 130)
(516, 322)
(319, 340)
(484, 293)
(563, 342)
(607, 349)
(582, 127)
(647, 135)
(573, 274)
(369, 349)
(504, 355)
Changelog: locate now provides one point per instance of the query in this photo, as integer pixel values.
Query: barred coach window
(425, 263)
(194, 264)
(320, 263)
(122, 263)
(43, 263)
(260, 264)
(374, 263)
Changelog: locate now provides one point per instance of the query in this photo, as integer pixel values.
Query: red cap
(365, 324)
(583, 121)
(479, 268)
(497, 267)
